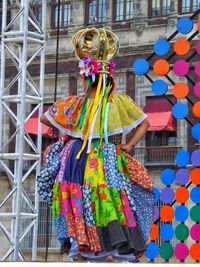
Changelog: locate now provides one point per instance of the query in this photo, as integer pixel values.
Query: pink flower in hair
(112, 66)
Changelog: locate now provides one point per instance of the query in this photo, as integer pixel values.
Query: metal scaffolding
(22, 43)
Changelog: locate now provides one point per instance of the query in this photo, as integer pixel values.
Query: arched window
(65, 14)
(95, 11)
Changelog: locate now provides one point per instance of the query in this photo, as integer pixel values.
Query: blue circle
(184, 25)
(140, 66)
(156, 194)
(167, 195)
(196, 131)
(161, 47)
(181, 213)
(152, 251)
(167, 176)
(166, 232)
(182, 158)
(180, 110)
(195, 194)
(159, 87)
(182, 176)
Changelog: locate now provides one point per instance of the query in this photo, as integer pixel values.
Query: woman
(102, 200)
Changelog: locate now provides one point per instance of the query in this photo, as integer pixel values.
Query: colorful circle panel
(167, 176)
(159, 87)
(180, 90)
(167, 195)
(166, 213)
(182, 158)
(152, 251)
(182, 47)
(195, 195)
(197, 89)
(182, 195)
(161, 47)
(182, 232)
(180, 110)
(141, 66)
(184, 25)
(196, 131)
(166, 251)
(181, 251)
(161, 67)
(195, 158)
(195, 213)
(195, 176)
(181, 68)
(182, 176)
(166, 232)
(181, 213)
(195, 232)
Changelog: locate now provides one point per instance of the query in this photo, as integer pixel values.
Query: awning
(31, 126)
(159, 114)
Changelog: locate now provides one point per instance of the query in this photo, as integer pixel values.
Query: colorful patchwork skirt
(102, 203)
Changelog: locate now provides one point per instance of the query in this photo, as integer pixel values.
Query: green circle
(166, 251)
(182, 232)
(195, 213)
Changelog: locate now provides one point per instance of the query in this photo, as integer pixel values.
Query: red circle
(195, 176)
(182, 47)
(182, 195)
(198, 26)
(195, 251)
(161, 67)
(154, 232)
(166, 213)
(180, 90)
(196, 109)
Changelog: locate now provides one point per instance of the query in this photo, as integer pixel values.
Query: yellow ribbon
(94, 107)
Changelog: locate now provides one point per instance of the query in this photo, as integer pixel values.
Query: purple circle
(182, 176)
(195, 232)
(181, 251)
(195, 158)
(197, 68)
(197, 89)
(156, 214)
(181, 67)
(197, 46)
(167, 195)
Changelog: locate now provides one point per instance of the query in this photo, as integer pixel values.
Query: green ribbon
(83, 111)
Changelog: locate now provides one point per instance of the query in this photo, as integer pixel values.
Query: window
(161, 138)
(65, 14)
(36, 6)
(188, 6)
(96, 11)
(159, 8)
(127, 9)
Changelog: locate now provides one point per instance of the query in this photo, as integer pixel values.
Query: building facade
(138, 24)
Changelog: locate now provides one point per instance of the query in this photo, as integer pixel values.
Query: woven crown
(99, 44)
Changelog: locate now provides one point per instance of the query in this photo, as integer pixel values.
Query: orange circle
(182, 47)
(196, 109)
(195, 251)
(166, 213)
(195, 176)
(154, 232)
(161, 67)
(198, 26)
(182, 195)
(180, 90)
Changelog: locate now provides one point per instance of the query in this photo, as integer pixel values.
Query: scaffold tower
(22, 45)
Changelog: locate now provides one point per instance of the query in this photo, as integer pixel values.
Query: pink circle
(195, 232)
(197, 46)
(181, 68)
(197, 68)
(197, 89)
(181, 251)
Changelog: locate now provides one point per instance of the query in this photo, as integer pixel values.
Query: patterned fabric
(123, 115)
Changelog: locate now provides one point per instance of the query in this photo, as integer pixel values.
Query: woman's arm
(45, 121)
(137, 136)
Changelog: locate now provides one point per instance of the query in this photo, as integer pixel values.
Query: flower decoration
(90, 66)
